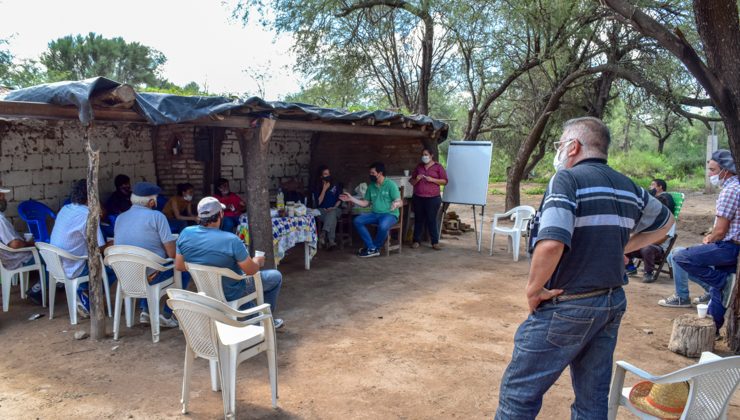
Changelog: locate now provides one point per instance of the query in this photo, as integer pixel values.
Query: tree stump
(692, 335)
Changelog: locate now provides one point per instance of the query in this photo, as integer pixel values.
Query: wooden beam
(56, 112)
(348, 129)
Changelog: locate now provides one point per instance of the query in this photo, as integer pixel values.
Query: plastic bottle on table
(280, 199)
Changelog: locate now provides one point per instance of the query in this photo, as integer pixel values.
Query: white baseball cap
(209, 206)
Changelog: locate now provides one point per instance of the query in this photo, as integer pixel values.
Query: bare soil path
(423, 334)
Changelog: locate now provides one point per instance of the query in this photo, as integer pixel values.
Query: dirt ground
(423, 334)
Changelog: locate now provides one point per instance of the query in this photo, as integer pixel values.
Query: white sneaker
(144, 318)
(81, 311)
(278, 323)
(168, 322)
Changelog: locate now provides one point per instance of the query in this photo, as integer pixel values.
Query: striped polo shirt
(592, 209)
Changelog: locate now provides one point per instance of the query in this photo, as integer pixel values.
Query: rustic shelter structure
(170, 139)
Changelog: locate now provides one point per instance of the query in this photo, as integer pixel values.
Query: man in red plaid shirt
(712, 262)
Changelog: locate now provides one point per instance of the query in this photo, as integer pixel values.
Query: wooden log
(692, 335)
(97, 302)
(732, 320)
(122, 96)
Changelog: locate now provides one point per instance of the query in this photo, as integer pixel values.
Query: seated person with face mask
(711, 262)
(384, 197)
(235, 206)
(179, 209)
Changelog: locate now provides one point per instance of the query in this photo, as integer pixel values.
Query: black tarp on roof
(159, 108)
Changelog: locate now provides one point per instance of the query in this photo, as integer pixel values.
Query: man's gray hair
(592, 132)
(142, 200)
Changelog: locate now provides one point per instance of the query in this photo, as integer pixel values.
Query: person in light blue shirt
(206, 244)
(69, 234)
(147, 228)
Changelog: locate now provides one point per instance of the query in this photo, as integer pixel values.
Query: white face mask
(714, 180)
(426, 159)
(558, 162)
(187, 197)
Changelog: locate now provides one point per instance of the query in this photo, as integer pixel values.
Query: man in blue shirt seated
(147, 228)
(206, 244)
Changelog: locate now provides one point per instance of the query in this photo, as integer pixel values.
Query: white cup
(259, 254)
(28, 236)
(405, 172)
(291, 211)
(701, 310)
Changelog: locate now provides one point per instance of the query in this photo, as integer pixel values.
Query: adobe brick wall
(289, 156)
(348, 157)
(40, 159)
(180, 168)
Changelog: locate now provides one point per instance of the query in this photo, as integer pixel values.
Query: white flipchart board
(468, 168)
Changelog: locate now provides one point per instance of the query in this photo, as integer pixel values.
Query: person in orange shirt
(179, 209)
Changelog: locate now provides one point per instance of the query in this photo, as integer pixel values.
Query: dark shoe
(649, 277)
(361, 251)
(332, 246)
(368, 253)
(674, 301)
(630, 269)
(702, 299)
(278, 323)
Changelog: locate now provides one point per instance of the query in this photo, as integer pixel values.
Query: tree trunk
(97, 302)
(626, 132)
(661, 144)
(254, 145)
(427, 52)
(536, 158)
(692, 335)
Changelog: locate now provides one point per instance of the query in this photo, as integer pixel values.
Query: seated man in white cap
(206, 244)
(147, 228)
(711, 262)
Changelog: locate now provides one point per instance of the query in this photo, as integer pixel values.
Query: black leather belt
(566, 297)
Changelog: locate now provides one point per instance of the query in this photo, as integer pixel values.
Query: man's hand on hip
(534, 299)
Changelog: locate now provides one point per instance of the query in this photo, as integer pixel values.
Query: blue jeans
(159, 278)
(681, 277)
(230, 223)
(711, 263)
(84, 287)
(176, 226)
(384, 222)
(582, 334)
(272, 280)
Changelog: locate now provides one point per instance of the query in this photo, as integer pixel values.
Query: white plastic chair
(213, 333)
(9, 277)
(712, 382)
(131, 272)
(135, 250)
(520, 215)
(208, 280)
(53, 259)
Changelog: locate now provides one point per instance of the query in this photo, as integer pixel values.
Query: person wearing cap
(70, 234)
(120, 200)
(207, 244)
(147, 228)
(712, 261)
(12, 239)
(590, 216)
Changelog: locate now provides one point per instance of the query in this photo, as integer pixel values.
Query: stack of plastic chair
(9, 276)
(53, 259)
(131, 272)
(35, 214)
(213, 333)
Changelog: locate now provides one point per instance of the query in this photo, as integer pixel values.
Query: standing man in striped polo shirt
(590, 217)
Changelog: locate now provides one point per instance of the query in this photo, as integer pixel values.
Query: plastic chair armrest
(637, 371)
(263, 312)
(24, 249)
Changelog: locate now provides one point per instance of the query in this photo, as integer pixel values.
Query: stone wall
(180, 168)
(40, 159)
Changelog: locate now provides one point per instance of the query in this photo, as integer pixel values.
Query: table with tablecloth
(286, 233)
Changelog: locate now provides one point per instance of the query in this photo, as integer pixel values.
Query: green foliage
(6, 61)
(535, 191)
(165, 86)
(81, 57)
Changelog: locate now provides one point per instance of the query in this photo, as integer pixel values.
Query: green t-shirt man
(381, 197)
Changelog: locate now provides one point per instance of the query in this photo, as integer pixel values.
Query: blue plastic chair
(35, 213)
(161, 201)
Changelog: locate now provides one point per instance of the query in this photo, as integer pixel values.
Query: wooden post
(732, 319)
(692, 335)
(254, 145)
(97, 302)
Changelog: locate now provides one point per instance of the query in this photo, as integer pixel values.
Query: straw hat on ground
(665, 401)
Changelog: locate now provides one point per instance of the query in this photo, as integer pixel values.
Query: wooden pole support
(692, 335)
